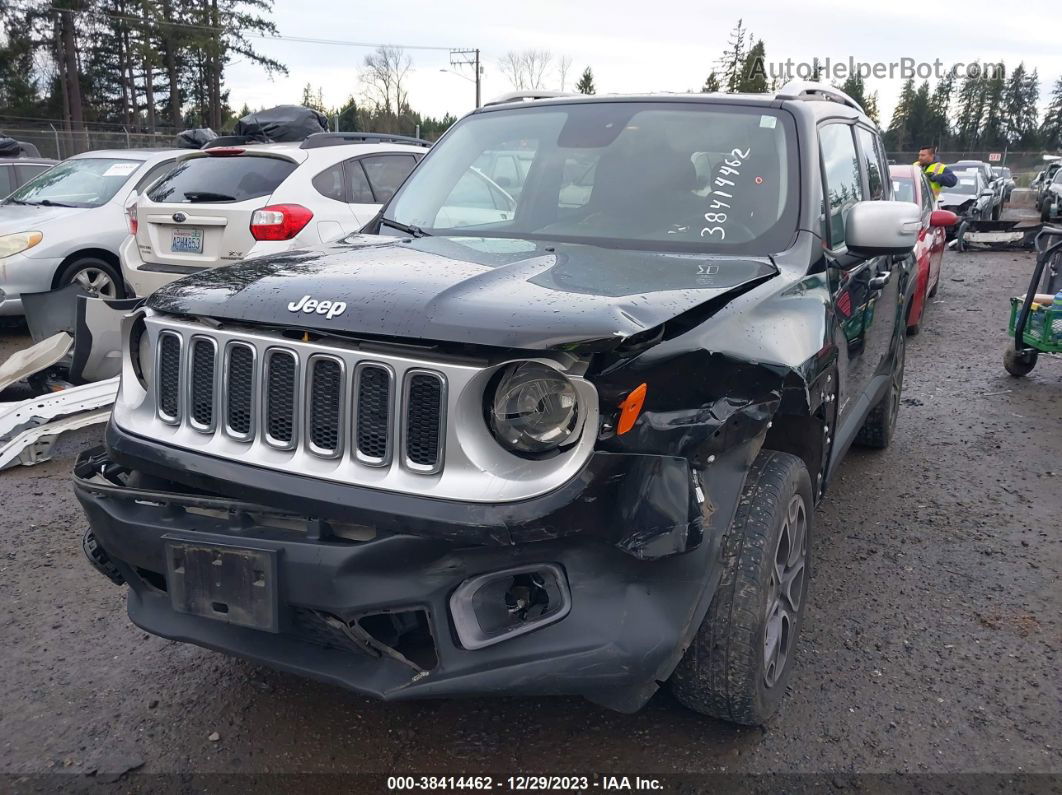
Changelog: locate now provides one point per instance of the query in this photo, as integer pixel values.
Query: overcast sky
(636, 46)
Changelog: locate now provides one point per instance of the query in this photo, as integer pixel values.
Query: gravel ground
(931, 644)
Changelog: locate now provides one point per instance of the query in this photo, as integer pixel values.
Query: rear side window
(153, 174)
(329, 183)
(386, 173)
(221, 179)
(844, 185)
(25, 172)
(360, 190)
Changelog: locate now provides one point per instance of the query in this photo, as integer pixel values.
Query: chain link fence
(60, 144)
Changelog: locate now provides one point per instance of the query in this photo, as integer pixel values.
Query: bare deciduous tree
(563, 66)
(526, 69)
(383, 79)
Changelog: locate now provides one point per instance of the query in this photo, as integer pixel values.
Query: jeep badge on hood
(329, 309)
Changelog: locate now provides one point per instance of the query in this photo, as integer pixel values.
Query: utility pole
(468, 58)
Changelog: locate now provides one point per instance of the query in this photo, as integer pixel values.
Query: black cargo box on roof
(194, 139)
(284, 123)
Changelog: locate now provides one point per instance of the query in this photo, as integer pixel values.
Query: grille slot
(325, 410)
(168, 378)
(239, 392)
(425, 395)
(201, 384)
(373, 414)
(281, 399)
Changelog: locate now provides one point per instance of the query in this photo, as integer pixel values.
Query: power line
(262, 36)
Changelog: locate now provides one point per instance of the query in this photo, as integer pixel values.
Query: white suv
(225, 204)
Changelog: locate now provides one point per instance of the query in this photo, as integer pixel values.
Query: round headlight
(535, 409)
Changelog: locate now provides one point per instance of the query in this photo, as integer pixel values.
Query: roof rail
(807, 89)
(318, 140)
(527, 94)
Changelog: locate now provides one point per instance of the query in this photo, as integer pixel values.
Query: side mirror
(943, 218)
(878, 228)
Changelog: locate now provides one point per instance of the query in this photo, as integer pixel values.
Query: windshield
(627, 174)
(84, 182)
(967, 185)
(903, 189)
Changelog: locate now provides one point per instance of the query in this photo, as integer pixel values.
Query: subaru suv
(223, 204)
(574, 448)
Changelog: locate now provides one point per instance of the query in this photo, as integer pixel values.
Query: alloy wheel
(785, 590)
(97, 282)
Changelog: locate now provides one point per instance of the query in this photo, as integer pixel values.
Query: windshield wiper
(207, 196)
(409, 229)
(50, 203)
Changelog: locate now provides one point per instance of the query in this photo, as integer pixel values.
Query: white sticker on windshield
(768, 122)
(120, 170)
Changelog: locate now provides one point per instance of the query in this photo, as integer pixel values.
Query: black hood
(488, 291)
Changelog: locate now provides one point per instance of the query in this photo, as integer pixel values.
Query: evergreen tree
(855, 87)
(348, 116)
(1019, 107)
(994, 133)
(897, 137)
(586, 82)
(733, 61)
(711, 84)
(969, 123)
(920, 119)
(940, 111)
(753, 73)
(1051, 129)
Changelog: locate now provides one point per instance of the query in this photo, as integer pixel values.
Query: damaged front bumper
(593, 590)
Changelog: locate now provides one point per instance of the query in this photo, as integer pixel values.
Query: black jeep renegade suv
(556, 422)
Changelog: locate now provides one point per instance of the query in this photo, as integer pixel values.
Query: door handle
(879, 281)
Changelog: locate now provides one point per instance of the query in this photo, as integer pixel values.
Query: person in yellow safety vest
(938, 174)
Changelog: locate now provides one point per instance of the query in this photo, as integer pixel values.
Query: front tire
(742, 657)
(95, 276)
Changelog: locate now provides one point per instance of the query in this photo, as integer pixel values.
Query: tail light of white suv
(279, 221)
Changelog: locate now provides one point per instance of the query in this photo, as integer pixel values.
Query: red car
(910, 184)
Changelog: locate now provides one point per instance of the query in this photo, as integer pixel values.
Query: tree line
(988, 108)
(144, 64)
(159, 65)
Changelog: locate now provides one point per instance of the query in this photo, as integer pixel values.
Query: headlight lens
(535, 409)
(18, 242)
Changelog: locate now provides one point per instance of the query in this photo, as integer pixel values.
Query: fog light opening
(494, 607)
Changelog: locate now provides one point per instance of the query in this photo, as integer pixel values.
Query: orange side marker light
(630, 408)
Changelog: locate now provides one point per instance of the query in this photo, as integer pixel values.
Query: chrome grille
(324, 403)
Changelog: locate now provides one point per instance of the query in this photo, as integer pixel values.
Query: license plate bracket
(188, 240)
(236, 585)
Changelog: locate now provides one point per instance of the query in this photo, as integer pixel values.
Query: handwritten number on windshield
(731, 168)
